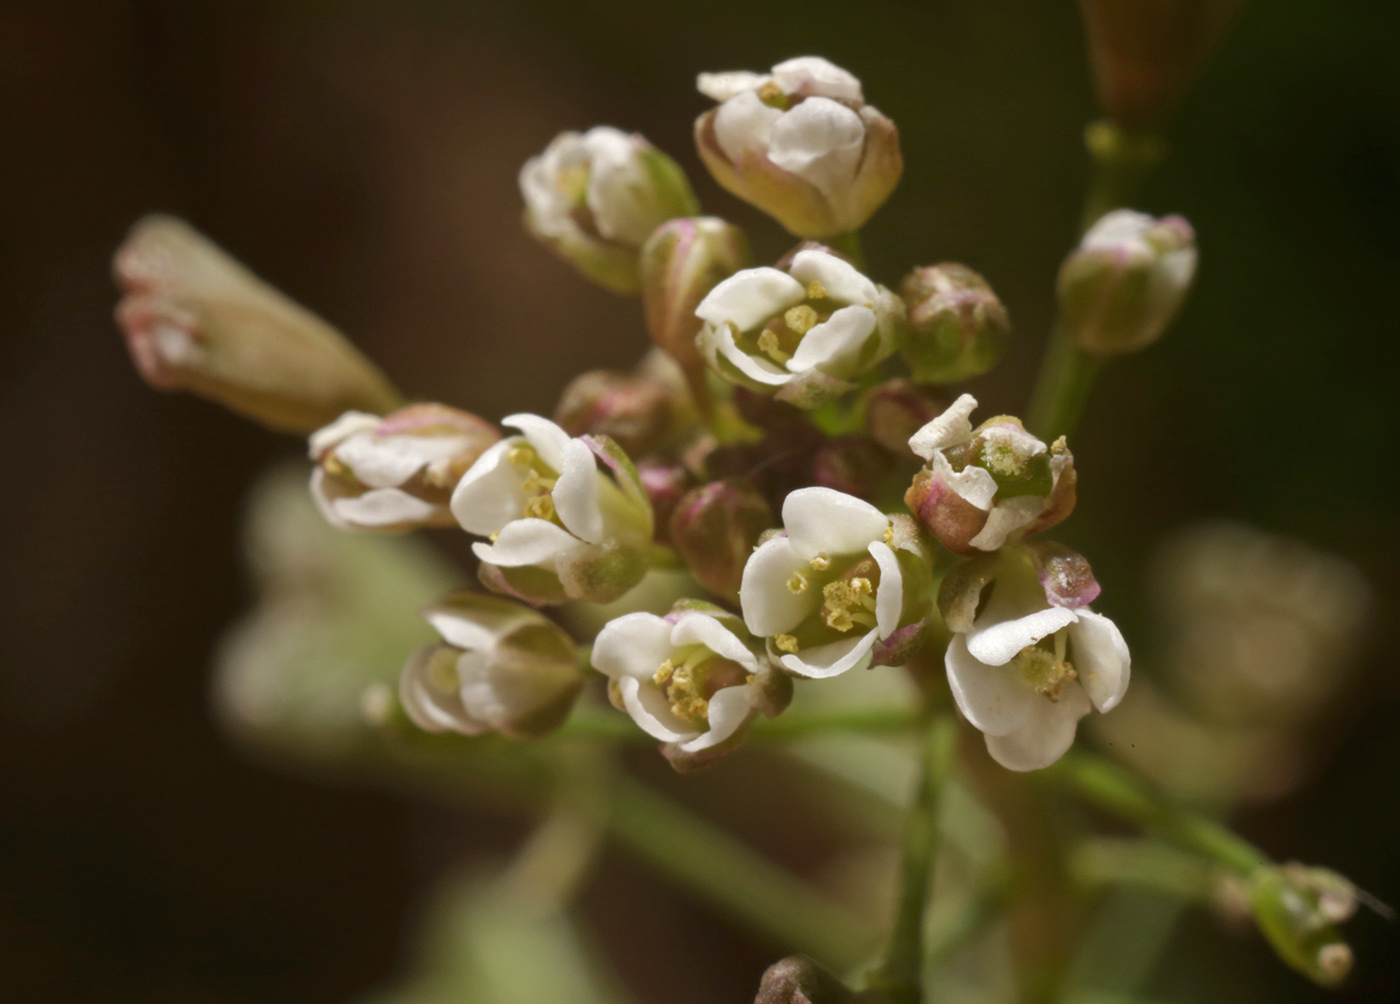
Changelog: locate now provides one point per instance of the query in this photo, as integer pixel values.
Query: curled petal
(528, 542)
(835, 345)
(490, 494)
(1005, 518)
(948, 429)
(721, 340)
(825, 521)
(649, 709)
(1046, 735)
(384, 507)
(815, 75)
(633, 645)
(728, 710)
(824, 661)
(702, 629)
(1015, 617)
(1101, 658)
(546, 437)
(723, 86)
(769, 606)
(889, 595)
(576, 493)
(843, 281)
(993, 698)
(748, 298)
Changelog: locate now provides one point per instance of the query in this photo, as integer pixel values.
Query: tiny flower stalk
(693, 679)
(841, 587)
(595, 198)
(395, 473)
(983, 487)
(566, 518)
(801, 144)
(803, 333)
(501, 668)
(195, 319)
(957, 326)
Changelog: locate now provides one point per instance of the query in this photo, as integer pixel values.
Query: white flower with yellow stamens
(566, 518)
(842, 587)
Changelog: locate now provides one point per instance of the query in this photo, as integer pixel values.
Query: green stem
(900, 976)
(849, 245)
(1110, 787)
(1062, 389)
(711, 863)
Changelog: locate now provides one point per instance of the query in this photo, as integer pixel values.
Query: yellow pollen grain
(797, 583)
(889, 534)
(768, 344)
(663, 673)
(816, 291)
(800, 319)
(540, 507)
(785, 643)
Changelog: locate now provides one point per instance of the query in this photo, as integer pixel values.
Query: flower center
(848, 602)
(848, 589)
(691, 677)
(538, 484)
(782, 334)
(1047, 672)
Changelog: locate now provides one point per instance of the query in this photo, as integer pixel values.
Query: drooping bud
(855, 465)
(681, 262)
(715, 528)
(986, 486)
(898, 408)
(1297, 909)
(194, 319)
(640, 412)
(957, 326)
(395, 473)
(1126, 281)
(801, 144)
(502, 668)
(799, 980)
(596, 197)
(1145, 54)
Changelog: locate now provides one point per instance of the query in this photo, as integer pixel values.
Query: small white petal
(1046, 735)
(490, 494)
(825, 521)
(650, 709)
(347, 425)
(752, 367)
(996, 642)
(821, 141)
(546, 437)
(1006, 518)
(389, 461)
(834, 346)
(743, 125)
(429, 708)
(616, 178)
(995, 699)
(576, 493)
(948, 429)
(749, 297)
(326, 491)
(1115, 228)
(769, 606)
(1102, 659)
(383, 507)
(528, 542)
(633, 645)
(822, 662)
(701, 629)
(723, 86)
(815, 75)
(842, 279)
(889, 594)
(730, 708)
(972, 484)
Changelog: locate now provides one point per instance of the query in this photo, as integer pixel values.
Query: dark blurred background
(362, 157)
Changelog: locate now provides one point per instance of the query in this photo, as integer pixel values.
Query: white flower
(691, 678)
(558, 524)
(830, 589)
(982, 487)
(804, 332)
(504, 668)
(596, 197)
(394, 473)
(801, 144)
(1027, 671)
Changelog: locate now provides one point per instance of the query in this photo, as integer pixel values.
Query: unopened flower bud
(502, 668)
(196, 320)
(596, 197)
(395, 473)
(637, 410)
(801, 144)
(898, 408)
(1126, 281)
(799, 980)
(666, 483)
(986, 486)
(681, 262)
(855, 465)
(715, 528)
(1297, 909)
(957, 326)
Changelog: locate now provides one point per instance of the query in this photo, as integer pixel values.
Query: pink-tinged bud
(665, 482)
(715, 528)
(799, 980)
(855, 465)
(595, 198)
(801, 144)
(1144, 54)
(194, 319)
(681, 262)
(898, 408)
(1297, 909)
(957, 326)
(1126, 281)
(395, 473)
(501, 668)
(1064, 574)
(639, 411)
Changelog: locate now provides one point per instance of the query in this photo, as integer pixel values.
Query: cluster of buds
(1298, 909)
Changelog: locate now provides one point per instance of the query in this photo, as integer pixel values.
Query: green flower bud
(681, 262)
(638, 411)
(1297, 908)
(715, 528)
(957, 326)
(194, 319)
(1126, 281)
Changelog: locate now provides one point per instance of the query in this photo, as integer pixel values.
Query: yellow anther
(771, 94)
(848, 602)
(821, 562)
(540, 507)
(800, 319)
(816, 291)
(889, 534)
(785, 642)
(521, 455)
(683, 692)
(495, 537)
(768, 344)
(1044, 671)
(663, 673)
(797, 583)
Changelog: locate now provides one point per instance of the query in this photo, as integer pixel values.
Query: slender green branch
(900, 976)
(711, 863)
(1062, 388)
(1110, 787)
